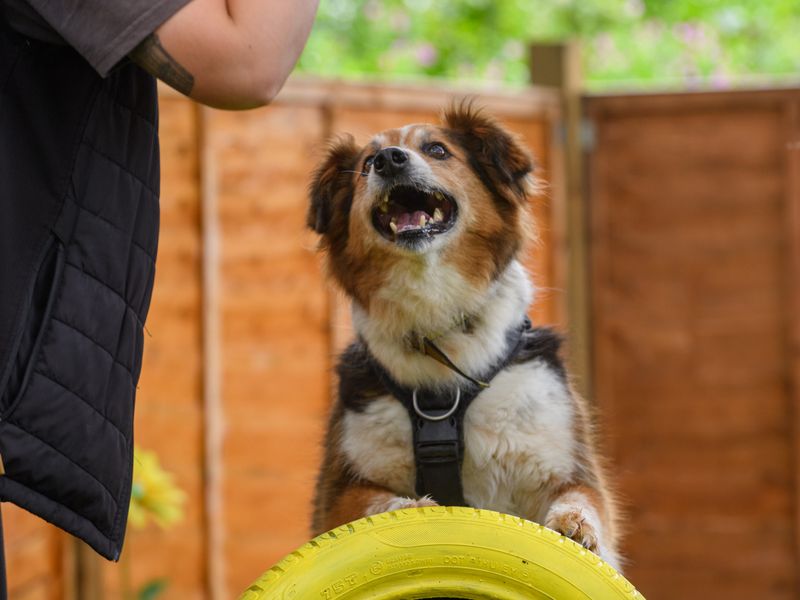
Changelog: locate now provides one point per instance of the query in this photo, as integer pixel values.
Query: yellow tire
(437, 553)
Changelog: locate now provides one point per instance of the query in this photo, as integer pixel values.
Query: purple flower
(426, 55)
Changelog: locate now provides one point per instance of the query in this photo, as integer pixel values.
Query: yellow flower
(154, 493)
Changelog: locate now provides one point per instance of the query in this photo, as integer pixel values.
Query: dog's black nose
(390, 161)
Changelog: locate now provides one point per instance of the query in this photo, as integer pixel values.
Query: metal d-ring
(428, 417)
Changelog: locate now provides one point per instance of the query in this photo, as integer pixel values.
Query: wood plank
(792, 310)
(20, 525)
(213, 430)
(424, 95)
(33, 555)
(679, 102)
(32, 558)
(42, 588)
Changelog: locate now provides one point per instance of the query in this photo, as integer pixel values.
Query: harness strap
(438, 454)
(437, 422)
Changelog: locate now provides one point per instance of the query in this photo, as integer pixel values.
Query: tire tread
(260, 588)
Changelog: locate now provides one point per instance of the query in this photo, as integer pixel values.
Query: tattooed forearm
(153, 58)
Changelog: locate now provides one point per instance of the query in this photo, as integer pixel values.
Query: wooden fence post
(83, 576)
(793, 289)
(212, 377)
(557, 65)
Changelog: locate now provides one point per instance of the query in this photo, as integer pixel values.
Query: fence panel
(243, 331)
(33, 556)
(689, 199)
(274, 333)
(281, 324)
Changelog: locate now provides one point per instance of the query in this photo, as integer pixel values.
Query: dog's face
(457, 191)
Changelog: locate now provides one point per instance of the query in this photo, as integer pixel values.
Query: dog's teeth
(384, 207)
(439, 196)
(393, 226)
(438, 215)
(422, 220)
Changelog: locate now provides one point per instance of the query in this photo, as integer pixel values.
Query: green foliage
(152, 589)
(650, 41)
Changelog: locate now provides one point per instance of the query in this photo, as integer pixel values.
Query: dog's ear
(494, 153)
(332, 180)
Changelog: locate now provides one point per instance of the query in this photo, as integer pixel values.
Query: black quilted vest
(79, 177)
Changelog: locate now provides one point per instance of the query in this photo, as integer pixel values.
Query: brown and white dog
(423, 229)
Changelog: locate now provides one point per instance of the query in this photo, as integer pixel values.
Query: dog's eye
(437, 150)
(367, 165)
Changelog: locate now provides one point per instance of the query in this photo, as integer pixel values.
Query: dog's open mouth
(408, 213)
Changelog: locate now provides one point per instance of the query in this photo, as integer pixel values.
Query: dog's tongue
(408, 221)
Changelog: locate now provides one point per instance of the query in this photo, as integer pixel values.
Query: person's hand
(229, 53)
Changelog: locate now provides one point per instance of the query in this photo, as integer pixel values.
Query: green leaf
(152, 589)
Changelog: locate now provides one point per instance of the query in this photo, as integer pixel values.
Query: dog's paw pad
(574, 525)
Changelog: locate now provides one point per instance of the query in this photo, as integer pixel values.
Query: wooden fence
(694, 203)
(243, 330)
(693, 207)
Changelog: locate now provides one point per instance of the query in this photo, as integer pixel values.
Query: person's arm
(229, 53)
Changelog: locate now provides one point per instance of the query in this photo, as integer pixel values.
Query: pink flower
(690, 33)
(426, 55)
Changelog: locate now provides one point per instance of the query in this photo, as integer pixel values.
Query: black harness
(437, 422)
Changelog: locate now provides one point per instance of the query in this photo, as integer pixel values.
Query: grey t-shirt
(102, 31)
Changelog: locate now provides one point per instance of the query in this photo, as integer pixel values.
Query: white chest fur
(430, 301)
(518, 434)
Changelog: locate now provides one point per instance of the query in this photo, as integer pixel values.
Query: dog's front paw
(398, 502)
(574, 524)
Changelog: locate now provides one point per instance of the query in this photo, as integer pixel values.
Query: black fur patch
(497, 157)
(358, 384)
(541, 343)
